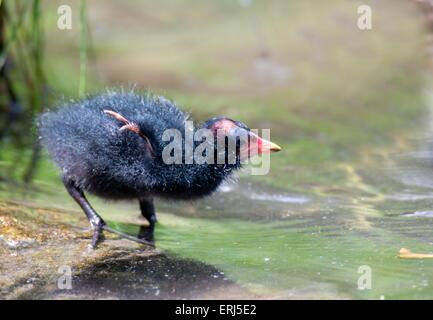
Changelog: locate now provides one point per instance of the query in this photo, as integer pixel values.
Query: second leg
(148, 211)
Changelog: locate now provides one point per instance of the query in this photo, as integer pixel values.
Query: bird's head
(233, 138)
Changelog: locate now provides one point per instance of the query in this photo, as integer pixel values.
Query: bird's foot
(147, 233)
(99, 226)
(98, 236)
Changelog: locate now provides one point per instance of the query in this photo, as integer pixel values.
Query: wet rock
(44, 254)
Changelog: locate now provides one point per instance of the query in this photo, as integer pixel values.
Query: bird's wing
(131, 126)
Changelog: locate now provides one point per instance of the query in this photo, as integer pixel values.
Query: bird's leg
(98, 225)
(148, 211)
(95, 220)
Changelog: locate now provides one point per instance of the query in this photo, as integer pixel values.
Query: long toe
(98, 237)
(147, 234)
(129, 237)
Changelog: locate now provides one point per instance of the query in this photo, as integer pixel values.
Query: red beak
(259, 145)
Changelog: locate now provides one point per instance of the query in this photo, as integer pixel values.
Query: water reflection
(140, 276)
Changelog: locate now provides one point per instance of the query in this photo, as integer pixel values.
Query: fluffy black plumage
(90, 150)
(87, 140)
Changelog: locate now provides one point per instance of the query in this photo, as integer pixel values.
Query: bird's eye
(239, 132)
(240, 135)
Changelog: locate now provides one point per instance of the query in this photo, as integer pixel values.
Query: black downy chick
(112, 145)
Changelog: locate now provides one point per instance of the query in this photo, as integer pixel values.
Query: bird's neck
(190, 179)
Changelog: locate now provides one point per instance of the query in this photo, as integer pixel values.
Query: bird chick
(114, 145)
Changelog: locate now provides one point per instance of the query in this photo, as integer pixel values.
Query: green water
(353, 183)
(283, 244)
(310, 239)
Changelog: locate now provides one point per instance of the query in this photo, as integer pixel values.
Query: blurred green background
(325, 88)
(347, 106)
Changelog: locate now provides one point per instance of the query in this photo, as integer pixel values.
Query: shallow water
(271, 242)
(275, 243)
(282, 244)
(291, 245)
(311, 240)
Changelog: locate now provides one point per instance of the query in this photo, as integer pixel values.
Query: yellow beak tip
(275, 147)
